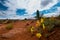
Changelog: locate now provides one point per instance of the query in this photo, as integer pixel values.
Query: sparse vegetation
(49, 24)
(45, 25)
(9, 26)
(1, 21)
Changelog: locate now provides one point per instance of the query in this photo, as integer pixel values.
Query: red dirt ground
(20, 32)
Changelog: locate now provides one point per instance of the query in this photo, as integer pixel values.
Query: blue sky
(20, 9)
(21, 12)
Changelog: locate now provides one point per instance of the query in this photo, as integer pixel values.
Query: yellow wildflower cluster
(42, 20)
(43, 27)
(38, 35)
(38, 23)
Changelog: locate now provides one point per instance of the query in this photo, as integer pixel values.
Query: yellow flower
(38, 35)
(42, 20)
(38, 23)
(32, 29)
(43, 26)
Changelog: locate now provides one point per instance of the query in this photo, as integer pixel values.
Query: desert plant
(2, 21)
(57, 23)
(25, 19)
(49, 24)
(58, 17)
(37, 14)
(9, 26)
(50, 28)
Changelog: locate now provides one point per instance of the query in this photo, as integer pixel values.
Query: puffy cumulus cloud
(30, 5)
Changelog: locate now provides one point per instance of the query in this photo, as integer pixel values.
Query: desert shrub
(47, 35)
(49, 24)
(9, 21)
(9, 26)
(1, 21)
(25, 19)
(58, 17)
(50, 28)
(57, 23)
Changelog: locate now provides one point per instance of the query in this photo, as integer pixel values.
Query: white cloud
(30, 5)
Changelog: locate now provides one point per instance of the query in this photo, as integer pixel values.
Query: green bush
(9, 26)
(49, 24)
(57, 23)
(50, 28)
(1, 21)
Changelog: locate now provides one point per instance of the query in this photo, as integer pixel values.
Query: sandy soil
(20, 32)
